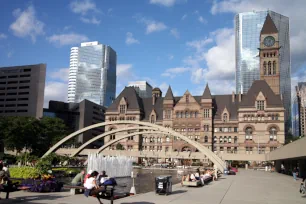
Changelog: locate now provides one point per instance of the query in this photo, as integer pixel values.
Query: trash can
(163, 185)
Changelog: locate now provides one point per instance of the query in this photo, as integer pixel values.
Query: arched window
(196, 114)
(270, 54)
(265, 67)
(269, 68)
(276, 117)
(273, 134)
(167, 139)
(235, 139)
(191, 114)
(152, 118)
(225, 139)
(145, 140)
(205, 139)
(264, 54)
(177, 114)
(248, 133)
(274, 67)
(181, 114)
(215, 139)
(225, 117)
(274, 54)
(221, 139)
(229, 139)
(186, 114)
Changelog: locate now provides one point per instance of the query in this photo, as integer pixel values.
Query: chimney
(239, 96)
(153, 99)
(233, 97)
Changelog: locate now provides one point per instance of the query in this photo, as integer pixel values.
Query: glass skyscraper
(92, 74)
(247, 29)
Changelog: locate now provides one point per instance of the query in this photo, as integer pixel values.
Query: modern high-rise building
(77, 116)
(92, 73)
(143, 88)
(300, 117)
(22, 90)
(248, 26)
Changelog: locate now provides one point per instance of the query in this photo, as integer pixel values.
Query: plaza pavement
(247, 187)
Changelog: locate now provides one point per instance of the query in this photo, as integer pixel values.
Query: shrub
(43, 166)
(24, 172)
(67, 170)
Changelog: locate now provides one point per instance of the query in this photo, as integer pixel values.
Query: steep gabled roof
(206, 93)
(132, 98)
(269, 26)
(169, 94)
(272, 99)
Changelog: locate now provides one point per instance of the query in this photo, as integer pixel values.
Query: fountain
(119, 166)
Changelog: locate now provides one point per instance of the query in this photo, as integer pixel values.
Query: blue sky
(184, 43)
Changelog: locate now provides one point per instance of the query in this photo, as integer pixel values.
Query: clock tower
(269, 55)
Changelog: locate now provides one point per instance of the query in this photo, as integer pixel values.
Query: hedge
(24, 172)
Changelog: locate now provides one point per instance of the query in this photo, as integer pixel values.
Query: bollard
(133, 190)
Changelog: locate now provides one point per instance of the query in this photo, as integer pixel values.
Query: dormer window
(260, 105)
(225, 117)
(122, 108)
(152, 120)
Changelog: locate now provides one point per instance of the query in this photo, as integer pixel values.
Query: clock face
(269, 41)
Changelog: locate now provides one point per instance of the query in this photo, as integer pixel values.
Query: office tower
(92, 74)
(22, 90)
(143, 88)
(301, 108)
(77, 116)
(247, 28)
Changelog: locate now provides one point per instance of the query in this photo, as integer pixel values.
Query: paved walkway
(247, 187)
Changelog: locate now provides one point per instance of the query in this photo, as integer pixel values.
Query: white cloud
(164, 87)
(199, 45)
(130, 39)
(184, 16)
(2, 36)
(167, 3)
(151, 25)
(26, 24)
(83, 6)
(67, 39)
(170, 57)
(173, 72)
(218, 61)
(295, 12)
(174, 32)
(202, 20)
(92, 20)
(61, 74)
(56, 91)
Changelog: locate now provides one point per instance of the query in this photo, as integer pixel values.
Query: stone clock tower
(269, 55)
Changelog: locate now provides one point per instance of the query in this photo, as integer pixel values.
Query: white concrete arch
(212, 156)
(107, 134)
(128, 135)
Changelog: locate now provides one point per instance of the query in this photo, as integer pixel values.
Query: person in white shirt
(91, 184)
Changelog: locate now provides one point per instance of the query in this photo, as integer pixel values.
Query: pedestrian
(6, 169)
(294, 173)
(78, 180)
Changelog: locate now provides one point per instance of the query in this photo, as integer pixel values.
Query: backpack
(110, 181)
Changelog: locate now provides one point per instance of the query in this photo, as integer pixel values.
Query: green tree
(19, 132)
(119, 146)
(51, 131)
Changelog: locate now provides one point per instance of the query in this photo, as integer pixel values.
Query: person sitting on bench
(78, 179)
(4, 179)
(91, 186)
(102, 178)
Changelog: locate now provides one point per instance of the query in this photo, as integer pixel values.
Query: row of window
(13, 71)
(152, 148)
(13, 111)
(261, 117)
(13, 105)
(121, 118)
(14, 99)
(226, 129)
(225, 139)
(270, 70)
(14, 93)
(272, 134)
(187, 129)
(187, 114)
(15, 82)
(15, 76)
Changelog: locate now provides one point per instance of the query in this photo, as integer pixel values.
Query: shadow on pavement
(29, 199)
(139, 203)
(178, 192)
